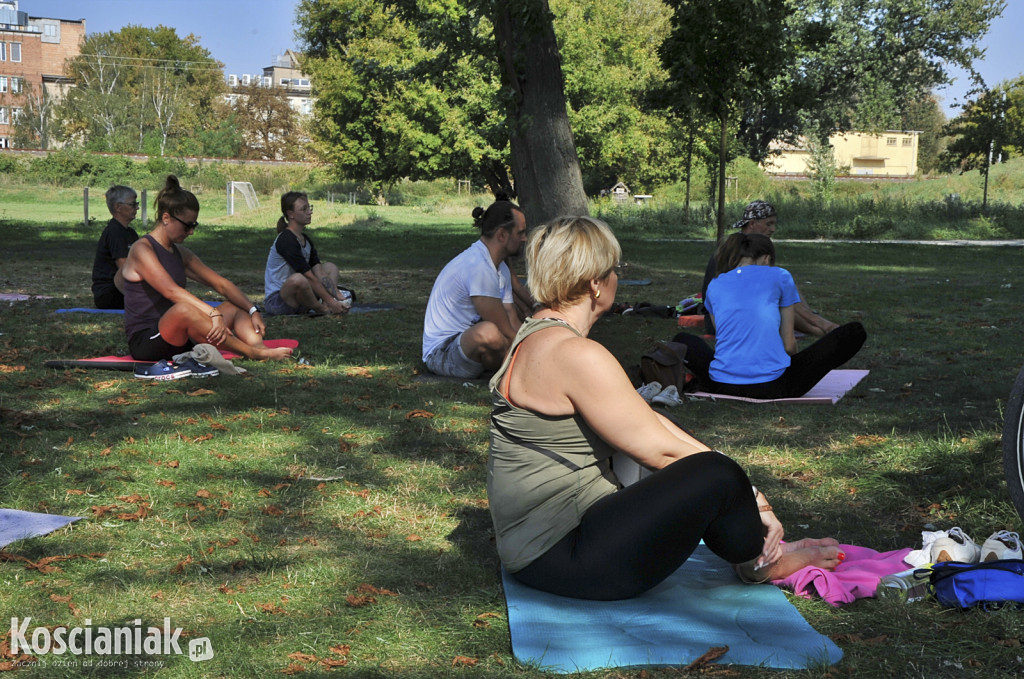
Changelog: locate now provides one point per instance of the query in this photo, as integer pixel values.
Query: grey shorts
(450, 361)
(273, 305)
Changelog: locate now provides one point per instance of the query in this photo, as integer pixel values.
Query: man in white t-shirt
(471, 317)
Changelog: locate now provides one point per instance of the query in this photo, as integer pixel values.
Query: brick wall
(38, 58)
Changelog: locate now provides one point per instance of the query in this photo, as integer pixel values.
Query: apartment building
(33, 51)
(284, 73)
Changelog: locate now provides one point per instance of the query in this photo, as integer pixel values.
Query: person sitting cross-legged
(112, 248)
(162, 318)
(296, 281)
(759, 217)
(562, 406)
(471, 316)
(753, 305)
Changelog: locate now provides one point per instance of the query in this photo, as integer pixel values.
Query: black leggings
(633, 539)
(806, 367)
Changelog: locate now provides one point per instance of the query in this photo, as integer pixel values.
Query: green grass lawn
(337, 511)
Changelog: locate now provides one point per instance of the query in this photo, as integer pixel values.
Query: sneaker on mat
(956, 546)
(668, 397)
(199, 369)
(649, 391)
(163, 370)
(1001, 545)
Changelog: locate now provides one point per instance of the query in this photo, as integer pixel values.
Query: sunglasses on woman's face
(189, 226)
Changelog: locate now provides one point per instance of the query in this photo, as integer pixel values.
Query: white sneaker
(668, 397)
(1001, 545)
(649, 391)
(956, 546)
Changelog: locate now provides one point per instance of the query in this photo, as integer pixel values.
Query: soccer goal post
(247, 192)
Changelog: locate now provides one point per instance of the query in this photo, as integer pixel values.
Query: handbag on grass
(665, 364)
(989, 584)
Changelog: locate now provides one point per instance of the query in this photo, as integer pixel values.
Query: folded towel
(207, 354)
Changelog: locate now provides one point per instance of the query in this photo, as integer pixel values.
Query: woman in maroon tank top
(162, 318)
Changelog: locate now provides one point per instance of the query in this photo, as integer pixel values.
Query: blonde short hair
(565, 254)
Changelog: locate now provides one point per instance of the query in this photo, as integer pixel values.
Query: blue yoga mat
(90, 310)
(16, 524)
(356, 309)
(700, 606)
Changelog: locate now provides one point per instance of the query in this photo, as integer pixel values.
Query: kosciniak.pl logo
(89, 640)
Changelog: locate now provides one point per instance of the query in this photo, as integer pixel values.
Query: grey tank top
(543, 472)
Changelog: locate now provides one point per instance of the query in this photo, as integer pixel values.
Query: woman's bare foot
(275, 354)
(822, 553)
(819, 552)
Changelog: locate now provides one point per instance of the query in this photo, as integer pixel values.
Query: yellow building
(888, 154)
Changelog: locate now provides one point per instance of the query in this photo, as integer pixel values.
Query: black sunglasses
(189, 226)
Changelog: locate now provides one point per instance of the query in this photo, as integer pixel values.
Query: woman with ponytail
(296, 281)
(162, 318)
(751, 302)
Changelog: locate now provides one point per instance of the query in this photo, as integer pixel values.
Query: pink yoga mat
(129, 363)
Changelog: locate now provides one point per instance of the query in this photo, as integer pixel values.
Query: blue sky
(247, 34)
(243, 34)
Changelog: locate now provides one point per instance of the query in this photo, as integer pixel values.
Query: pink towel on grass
(855, 578)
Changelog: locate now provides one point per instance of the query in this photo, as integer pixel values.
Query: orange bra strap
(508, 372)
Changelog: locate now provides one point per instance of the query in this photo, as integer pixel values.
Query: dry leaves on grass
(271, 607)
(412, 414)
(12, 368)
(367, 588)
(461, 660)
(43, 565)
(481, 620)
(180, 567)
(200, 392)
(709, 657)
(359, 371)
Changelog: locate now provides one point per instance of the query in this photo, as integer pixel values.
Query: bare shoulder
(582, 352)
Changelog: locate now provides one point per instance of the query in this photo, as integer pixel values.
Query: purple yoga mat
(16, 524)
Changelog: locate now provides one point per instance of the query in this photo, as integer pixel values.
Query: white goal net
(246, 191)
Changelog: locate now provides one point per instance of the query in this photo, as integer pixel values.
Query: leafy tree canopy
(415, 90)
(992, 123)
(791, 65)
(141, 90)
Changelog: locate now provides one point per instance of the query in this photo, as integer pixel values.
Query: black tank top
(143, 305)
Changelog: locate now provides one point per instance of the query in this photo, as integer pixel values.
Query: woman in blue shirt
(751, 302)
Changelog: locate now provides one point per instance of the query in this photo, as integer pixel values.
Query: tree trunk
(545, 166)
(722, 153)
(689, 170)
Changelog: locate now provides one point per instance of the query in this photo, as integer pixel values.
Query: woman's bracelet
(253, 309)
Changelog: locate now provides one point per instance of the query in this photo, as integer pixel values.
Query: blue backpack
(990, 584)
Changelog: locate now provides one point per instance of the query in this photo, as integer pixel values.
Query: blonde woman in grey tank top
(562, 406)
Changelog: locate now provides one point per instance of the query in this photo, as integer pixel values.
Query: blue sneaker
(163, 370)
(198, 369)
